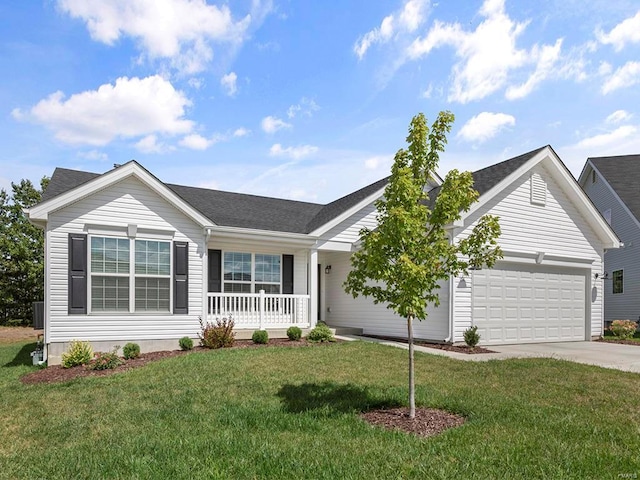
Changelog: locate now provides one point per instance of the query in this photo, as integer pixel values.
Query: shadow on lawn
(23, 357)
(338, 398)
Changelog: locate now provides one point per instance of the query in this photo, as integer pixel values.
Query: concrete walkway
(601, 354)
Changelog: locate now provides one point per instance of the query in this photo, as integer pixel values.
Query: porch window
(250, 273)
(114, 283)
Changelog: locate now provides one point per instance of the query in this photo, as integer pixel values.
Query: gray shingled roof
(238, 209)
(276, 214)
(623, 174)
(487, 178)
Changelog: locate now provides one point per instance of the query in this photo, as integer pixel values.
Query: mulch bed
(427, 422)
(440, 346)
(56, 373)
(618, 340)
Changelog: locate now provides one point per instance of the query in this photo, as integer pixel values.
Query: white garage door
(528, 304)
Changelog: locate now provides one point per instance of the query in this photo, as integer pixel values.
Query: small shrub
(260, 336)
(185, 343)
(217, 335)
(321, 333)
(471, 336)
(79, 353)
(294, 333)
(106, 360)
(623, 328)
(130, 351)
(16, 322)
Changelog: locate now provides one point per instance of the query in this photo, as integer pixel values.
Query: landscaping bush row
(219, 334)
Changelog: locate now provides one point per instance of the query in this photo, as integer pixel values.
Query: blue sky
(309, 100)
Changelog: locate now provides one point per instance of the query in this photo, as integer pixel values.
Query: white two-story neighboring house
(613, 184)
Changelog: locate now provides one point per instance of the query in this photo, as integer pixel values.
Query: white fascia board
(575, 193)
(330, 246)
(344, 215)
(41, 211)
(301, 239)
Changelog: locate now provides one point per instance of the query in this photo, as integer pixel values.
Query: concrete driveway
(602, 354)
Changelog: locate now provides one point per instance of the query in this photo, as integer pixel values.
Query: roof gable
(69, 186)
(494, 179)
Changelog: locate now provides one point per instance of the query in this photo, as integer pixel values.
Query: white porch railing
(259, 310)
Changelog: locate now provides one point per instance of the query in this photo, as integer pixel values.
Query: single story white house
(130, 258)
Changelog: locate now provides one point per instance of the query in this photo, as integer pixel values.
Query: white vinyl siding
(126, 202)
(626, 305)
(556, 229)
(349, 230)
(341, 309)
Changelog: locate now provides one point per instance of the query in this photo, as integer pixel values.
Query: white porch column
(313, 287)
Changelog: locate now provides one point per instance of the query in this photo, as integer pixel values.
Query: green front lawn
(292, 413)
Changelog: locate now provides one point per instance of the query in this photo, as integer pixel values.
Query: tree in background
(21, 253)
(402, 262)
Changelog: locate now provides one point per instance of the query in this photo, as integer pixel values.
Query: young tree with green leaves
(402, 262)
(21, 253)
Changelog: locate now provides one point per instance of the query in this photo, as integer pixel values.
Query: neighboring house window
(607, 216)
(112, 278)
(618, 281)
(594, 177)
(249, 273)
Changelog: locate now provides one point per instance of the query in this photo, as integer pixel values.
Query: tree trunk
(412, 383)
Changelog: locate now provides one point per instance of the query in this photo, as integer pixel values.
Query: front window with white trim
(116, 287)
(250, 273)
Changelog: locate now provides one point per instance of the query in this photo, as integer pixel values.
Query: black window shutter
(180, 277)
(287, 274)
(215, 271)
(77, 294)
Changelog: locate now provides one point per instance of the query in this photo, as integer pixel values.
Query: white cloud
(627, 31)
(625, 76)
(618, 116)
(150, 144)
(428, 92)
(241, 132)
(608, 139)
(181, 31)
(485, 125)
(377, 162)
(196, 82)
(273, 124)
(407, 20)
(228, 82)
(295, 153)
(605, 68)
(94, 155)
(132, 107)
(196, 142)
(487, 55)
(305, 106)
(547, 57)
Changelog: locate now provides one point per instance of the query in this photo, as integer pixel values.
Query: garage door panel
(519, 304)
